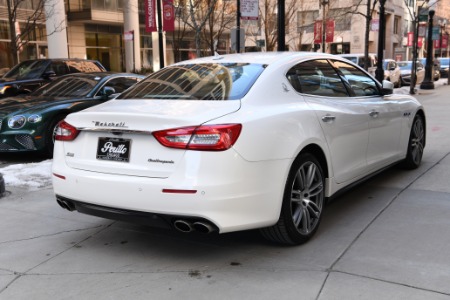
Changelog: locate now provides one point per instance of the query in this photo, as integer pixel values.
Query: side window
(317, 78)
(58, 67)
(121, 84)
(361, 83)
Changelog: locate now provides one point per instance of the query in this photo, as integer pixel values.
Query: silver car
(405, 70)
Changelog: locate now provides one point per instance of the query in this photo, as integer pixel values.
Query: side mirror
(387, 88)
(48, 74)
(107, 91)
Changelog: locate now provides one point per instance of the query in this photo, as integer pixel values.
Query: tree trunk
(366, 36)
(12, 34)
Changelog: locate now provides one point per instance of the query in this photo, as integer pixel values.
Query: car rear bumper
(236, 195)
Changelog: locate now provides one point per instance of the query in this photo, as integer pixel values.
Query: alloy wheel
(307, 197)
(417, 141)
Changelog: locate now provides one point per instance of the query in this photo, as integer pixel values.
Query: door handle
(328, 118)
(373, 114)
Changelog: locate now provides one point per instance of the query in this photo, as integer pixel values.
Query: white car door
(385, 118)
(343, 119)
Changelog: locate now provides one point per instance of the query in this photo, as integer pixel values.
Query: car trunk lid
(116, 137)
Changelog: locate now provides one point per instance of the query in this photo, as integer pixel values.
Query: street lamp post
(427, 83)
(442, 25)
(281, 26)
(324, 23)
(379, 72)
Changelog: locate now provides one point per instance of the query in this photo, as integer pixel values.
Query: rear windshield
(197, 82)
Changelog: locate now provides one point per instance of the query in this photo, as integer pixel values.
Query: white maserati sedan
(235, 142)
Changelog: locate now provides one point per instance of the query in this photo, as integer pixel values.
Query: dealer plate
(113, 149)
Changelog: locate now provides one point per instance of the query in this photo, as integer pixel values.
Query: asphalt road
(388, 238)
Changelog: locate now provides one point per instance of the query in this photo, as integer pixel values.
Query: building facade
(100, 29)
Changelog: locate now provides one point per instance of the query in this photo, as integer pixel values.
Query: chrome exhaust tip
(183, 226)
(203, 227)
(66, 205)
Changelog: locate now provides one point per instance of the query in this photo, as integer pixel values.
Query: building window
(397, 22)
(306, 19)
(342, 19)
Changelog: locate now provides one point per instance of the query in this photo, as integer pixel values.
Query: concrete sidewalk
(388, 238)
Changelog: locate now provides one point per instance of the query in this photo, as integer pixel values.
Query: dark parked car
(436, 68)
(444, 66)
(27, 122)
(29, 75)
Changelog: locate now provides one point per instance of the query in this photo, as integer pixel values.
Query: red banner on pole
(445, 41)
(330, 31)
(410, 39)
(318, 32)
(437, 44)
(168, 15)
(150, 19)
(419, 42)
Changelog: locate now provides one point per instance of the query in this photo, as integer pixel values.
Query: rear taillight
(66, 132)
(207, 137)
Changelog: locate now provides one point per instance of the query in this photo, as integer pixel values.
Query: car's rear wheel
(303, 203)
(416, 144)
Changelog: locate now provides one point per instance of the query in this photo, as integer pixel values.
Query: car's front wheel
(50, 135)
(303, 203)
(416, 144)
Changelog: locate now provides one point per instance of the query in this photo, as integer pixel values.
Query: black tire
(50, 136)
(303, 203)
(416, 144)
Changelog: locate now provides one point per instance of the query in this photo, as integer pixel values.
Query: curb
(2, 186)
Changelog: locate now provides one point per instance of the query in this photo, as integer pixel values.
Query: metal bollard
(2, 185)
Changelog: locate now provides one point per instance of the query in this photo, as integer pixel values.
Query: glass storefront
(106, 48)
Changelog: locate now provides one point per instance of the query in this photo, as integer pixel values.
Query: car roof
(102, 75)
(61, 59)
(264, 58)
(355, 54)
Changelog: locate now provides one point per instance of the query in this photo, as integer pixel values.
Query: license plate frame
(113, 149)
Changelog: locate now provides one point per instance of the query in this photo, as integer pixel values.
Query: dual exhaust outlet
(66, 204)
(199, 226)
(184, 226)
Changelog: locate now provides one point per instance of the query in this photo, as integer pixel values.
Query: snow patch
(31, 175)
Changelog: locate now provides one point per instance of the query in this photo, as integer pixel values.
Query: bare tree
(20, 36)
(305, 21)
(24, 17)
(198, 14)
(181, 13)
(290, 17)
(220, 20)
(370, 6)
(267, 9)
